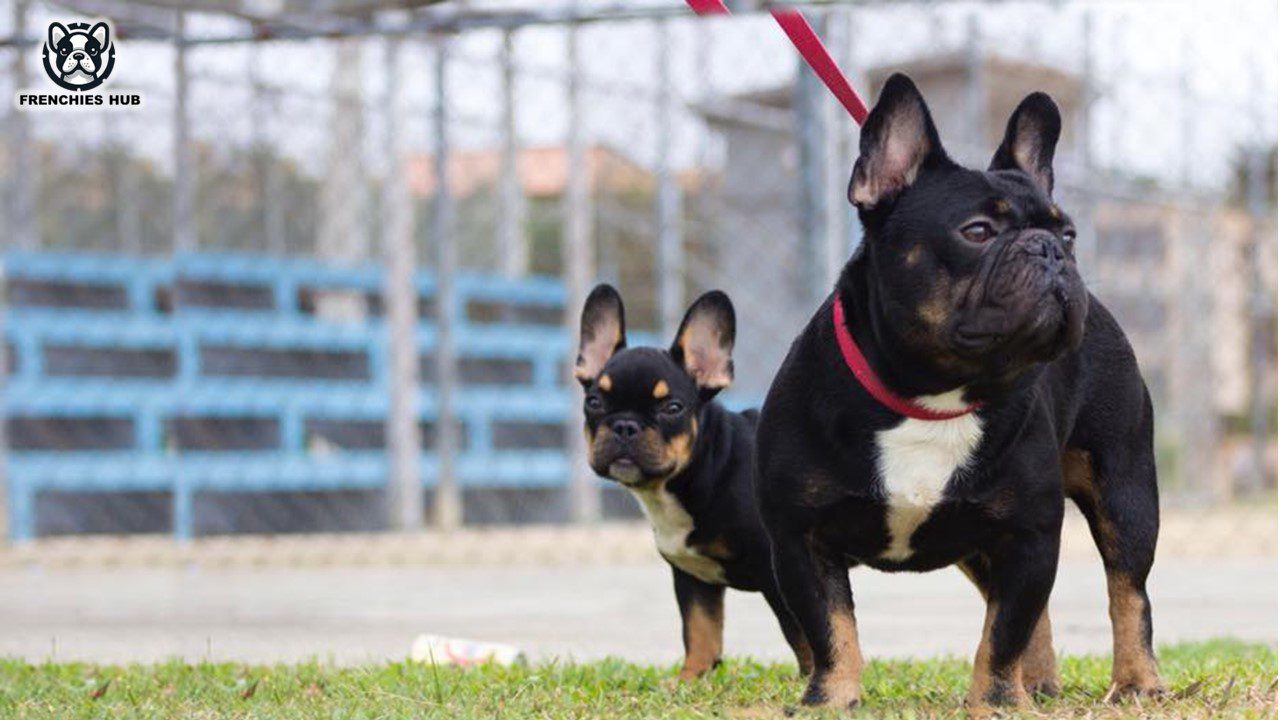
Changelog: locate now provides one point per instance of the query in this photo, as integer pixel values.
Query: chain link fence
(326, 277)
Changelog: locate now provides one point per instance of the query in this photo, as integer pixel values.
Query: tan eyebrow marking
(605, 383)
(1003, 206)
(1055, 212)
(660, 390)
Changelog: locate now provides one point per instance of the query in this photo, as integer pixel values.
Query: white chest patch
(916, 460)
(671, 527)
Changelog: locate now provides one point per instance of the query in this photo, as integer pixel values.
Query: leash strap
(810, 47)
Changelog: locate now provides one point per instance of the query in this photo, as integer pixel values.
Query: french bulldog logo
(79, 56)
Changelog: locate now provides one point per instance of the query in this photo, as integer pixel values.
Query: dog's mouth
(626, 471)
(78, 76)
(1044, 328)
(629, 471)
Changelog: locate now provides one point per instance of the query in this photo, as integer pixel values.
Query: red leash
(811, 49)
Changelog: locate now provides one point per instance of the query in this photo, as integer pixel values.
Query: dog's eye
(593, 403)
(1069, 236)
(979, 231)
(671, 407)
(93, 51)
(63, 50)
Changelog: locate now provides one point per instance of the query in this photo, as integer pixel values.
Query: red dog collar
(858, 364)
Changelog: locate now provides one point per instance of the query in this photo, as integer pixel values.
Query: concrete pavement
(352, 614)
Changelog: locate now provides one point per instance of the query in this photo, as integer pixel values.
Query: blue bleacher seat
(69, 364)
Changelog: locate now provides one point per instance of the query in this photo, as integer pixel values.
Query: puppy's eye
(63, 51)
(93, 51)
(1069, 236)
(593, 403)
(978, 231)
(671, 408)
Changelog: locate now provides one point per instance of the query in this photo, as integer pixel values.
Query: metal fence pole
(975, 91)
(5, 524)
(448, 500)
(670, 265)
(1260, 304)
(273, 229)
(184, 230)
(1188, 345)
(24, 226)
(579, 261)
(1087, 245)
(128, 226)
(853, 61)
(514, 246)
(811, 143)
(404, 442)
(1258, 317)
(835, 26)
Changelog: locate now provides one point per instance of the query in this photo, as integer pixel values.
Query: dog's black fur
(966, 281)
(653, 426)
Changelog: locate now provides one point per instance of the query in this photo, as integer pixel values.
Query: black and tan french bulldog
(957, 385)
(653, 426)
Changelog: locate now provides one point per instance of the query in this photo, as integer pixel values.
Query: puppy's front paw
(693, 670)
(1048, 687)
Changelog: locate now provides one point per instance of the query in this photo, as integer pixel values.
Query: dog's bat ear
(1030, 139)
(101, 33)
(603, 332)
(704, 343)
(57, 31)
(898, 139)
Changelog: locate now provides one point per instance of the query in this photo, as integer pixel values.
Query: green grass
(1209, 680)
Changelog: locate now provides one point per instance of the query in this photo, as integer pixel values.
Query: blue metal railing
(189, 389)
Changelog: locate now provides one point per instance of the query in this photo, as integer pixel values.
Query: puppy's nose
(77, 56)
(625, 429)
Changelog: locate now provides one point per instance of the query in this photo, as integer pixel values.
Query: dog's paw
(1121, 691)
(831, 695)
(1048, 687)
(1000, 695)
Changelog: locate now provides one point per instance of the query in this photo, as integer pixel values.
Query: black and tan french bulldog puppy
(955, 387)
(653, 426)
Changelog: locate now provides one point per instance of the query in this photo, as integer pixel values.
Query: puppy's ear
(704, 343)
(602, 334)
(1030, 139)
(101, 33)
(57, 31)
(897, 140)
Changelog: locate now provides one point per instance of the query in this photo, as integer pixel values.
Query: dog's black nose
(625, 429)
(1045, 245)
(77, 56)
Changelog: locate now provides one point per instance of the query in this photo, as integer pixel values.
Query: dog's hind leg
(1039, 663)
(1115, 488)
(702, 618)
(792, 631)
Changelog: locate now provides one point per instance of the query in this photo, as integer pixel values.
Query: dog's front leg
(1022, 569)
(702, 620)
(815, 585)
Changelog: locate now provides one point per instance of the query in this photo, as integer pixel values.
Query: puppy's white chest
(671, 527)
(915, 461)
